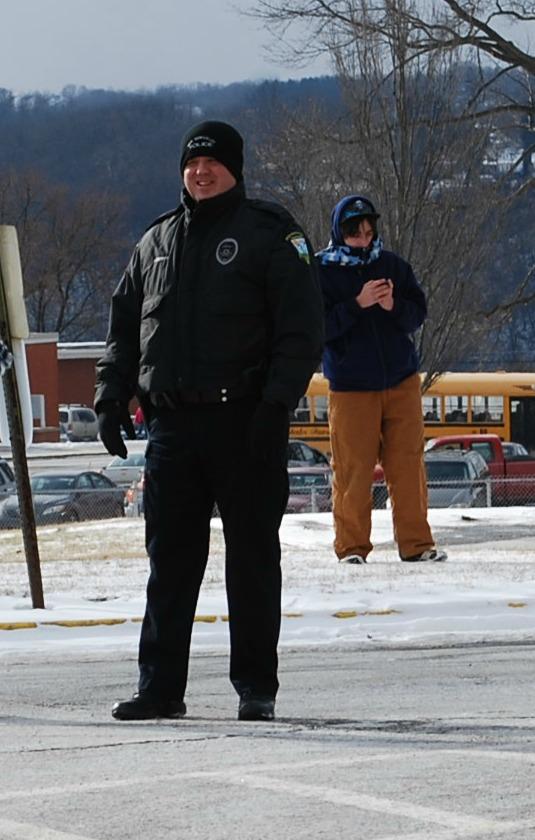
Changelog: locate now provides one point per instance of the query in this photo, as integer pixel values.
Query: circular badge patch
(226, 251)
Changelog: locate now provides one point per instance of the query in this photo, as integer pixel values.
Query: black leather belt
(172, 399)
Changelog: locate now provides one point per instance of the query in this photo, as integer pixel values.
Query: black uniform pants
(199, 454)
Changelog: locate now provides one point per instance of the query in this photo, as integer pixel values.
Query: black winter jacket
(370, 349)
(218, 294)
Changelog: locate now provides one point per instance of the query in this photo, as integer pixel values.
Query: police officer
(216, 327)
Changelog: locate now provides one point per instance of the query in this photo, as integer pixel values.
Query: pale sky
(133, 44)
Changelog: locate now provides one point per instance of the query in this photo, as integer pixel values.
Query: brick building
(59, 373)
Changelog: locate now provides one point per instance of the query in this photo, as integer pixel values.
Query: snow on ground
(97, 571)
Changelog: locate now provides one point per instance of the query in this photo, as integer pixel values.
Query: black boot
(256, 707)
(144, 707)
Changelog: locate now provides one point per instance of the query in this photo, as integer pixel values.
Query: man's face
(205, 177)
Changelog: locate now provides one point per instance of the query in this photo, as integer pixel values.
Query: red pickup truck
(518, 471)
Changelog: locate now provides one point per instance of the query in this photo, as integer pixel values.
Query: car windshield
(446, 470)
(44, 483)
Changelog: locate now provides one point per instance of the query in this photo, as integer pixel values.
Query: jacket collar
(210, 208)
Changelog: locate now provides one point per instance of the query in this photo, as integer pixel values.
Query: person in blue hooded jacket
(373, 304)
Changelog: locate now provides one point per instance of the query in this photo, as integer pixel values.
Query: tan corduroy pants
(368, 426)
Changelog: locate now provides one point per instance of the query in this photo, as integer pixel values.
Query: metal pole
(488, 483)
(20, 464)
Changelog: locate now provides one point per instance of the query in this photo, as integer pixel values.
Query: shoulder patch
(297, 239)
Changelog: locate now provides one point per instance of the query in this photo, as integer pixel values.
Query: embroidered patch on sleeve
(297, 239)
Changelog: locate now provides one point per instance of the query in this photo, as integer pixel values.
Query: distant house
(41, 356)
(60, 373)
(76, 370)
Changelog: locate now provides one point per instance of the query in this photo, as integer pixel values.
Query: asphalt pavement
(411, 743)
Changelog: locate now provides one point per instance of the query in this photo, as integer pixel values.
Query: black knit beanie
(214, 139)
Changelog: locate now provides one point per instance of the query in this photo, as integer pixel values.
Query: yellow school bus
(455, 404)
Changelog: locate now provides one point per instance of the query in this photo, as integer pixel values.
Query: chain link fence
(53, 506)
(91, 496)
(488, 492)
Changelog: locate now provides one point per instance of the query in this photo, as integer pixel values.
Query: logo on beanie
(226, 251)
(200, 142)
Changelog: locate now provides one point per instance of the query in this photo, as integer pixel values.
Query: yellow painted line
(18, 625)
(355, 614)
(517, 604)
(204, 619)
(85, 622)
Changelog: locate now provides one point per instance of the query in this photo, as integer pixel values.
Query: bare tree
(71, 250)
(431, 24)
(404, 139)
(504, 87)
(395, 141)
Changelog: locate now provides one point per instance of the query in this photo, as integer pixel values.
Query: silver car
(123, 471)
(78, 422)
(456, 478)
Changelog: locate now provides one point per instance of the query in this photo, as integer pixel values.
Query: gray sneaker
(353, 559)
(430, 555)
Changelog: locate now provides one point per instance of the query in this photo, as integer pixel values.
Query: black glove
(268, 437)
(112, 416)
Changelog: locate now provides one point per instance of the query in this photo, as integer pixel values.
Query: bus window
(320, 409)
(487, 409)
(431, 409)
(302, 412)
(456, 409)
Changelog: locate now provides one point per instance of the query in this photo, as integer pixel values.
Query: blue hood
(337, 213)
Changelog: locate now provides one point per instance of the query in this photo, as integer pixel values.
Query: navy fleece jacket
(369, 349)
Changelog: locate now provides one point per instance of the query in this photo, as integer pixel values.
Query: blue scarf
(344, 255)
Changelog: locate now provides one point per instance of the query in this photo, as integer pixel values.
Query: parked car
(513, 478)
(310, 488)
(123, 471)
(133, 498)
(7, 479)
(442, 473)
(300, 452)
(513, 450)
(456, 479)
(310, 481)
(67, 497)
(78, 422)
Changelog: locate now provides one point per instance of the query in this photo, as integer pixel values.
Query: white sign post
(16, 421)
